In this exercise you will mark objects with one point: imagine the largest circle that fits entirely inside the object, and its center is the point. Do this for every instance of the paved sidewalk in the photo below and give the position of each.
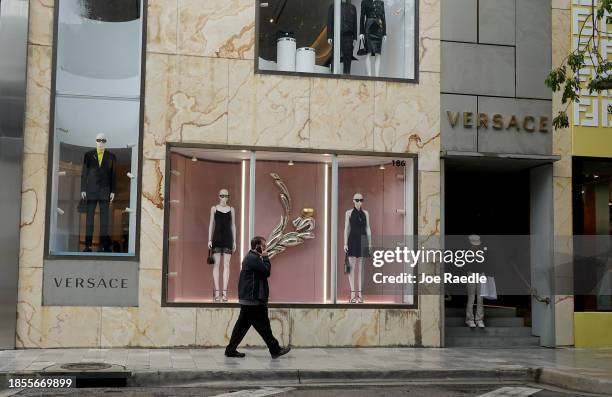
(588, 370)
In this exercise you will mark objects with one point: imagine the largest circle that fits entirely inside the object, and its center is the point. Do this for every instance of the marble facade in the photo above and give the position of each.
(200, 87)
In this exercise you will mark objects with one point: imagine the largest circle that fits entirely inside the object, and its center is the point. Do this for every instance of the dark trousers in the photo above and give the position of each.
(257, 316)
(89, 228)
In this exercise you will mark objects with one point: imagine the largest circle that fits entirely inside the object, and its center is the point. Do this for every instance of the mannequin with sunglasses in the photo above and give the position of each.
(98, 183)
(222, 241)
(357, 243)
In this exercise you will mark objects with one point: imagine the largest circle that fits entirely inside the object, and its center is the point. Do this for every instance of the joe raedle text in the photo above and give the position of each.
(423, 278)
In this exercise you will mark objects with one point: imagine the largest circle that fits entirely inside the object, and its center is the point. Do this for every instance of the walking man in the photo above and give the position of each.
(253, 294)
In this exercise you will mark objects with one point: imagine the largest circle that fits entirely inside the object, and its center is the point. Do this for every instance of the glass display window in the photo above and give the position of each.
(375, 212)
(208, 218)
(374, 38)
(95, 134)
(292, 208)
(218, 198)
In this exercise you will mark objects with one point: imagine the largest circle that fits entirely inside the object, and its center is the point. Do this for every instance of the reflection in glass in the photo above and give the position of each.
(96, 128)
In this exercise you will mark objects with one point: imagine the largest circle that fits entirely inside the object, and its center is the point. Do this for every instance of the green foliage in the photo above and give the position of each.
(568, 82)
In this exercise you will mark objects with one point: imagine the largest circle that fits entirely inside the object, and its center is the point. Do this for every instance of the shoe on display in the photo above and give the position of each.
(480, 324)
(235, 354)
(282, 352)
(470, 323)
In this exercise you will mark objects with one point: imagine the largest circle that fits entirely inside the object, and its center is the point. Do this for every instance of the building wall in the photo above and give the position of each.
(201, 87)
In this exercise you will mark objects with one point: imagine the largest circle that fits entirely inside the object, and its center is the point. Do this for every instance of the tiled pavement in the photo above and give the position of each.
(592, 362)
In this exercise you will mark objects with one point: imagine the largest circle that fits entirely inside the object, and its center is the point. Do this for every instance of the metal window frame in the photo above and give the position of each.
(50, 151)
(333, 224)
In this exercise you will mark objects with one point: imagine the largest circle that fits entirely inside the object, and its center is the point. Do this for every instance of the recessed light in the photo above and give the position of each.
(595, 176)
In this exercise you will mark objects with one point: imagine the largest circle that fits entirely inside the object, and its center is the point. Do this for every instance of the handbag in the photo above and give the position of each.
(82, 206)
(210, 259)
(488, 290)
(362, 51)
(347, 265)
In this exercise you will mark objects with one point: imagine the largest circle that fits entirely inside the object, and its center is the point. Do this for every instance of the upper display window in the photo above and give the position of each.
(95, 136)
(372, 38)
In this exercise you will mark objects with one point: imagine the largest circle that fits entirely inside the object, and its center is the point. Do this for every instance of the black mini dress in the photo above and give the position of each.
(223, 241)
(358, 237)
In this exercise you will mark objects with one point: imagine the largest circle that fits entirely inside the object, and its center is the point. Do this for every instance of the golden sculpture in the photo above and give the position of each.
(303, 225)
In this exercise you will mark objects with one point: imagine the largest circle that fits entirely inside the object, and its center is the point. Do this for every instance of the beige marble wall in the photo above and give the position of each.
(562, 175)
(201, 87)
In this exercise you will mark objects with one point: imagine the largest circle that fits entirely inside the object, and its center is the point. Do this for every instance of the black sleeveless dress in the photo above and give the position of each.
(222, 240)
(358, 237)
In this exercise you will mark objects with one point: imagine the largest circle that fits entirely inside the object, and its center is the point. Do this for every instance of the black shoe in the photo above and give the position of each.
(282, 352)
(87, 249)
(235, 353)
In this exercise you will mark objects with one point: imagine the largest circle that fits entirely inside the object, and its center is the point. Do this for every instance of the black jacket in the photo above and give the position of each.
(348, 18)
(253, 283)
(373, 9)
(99, 181)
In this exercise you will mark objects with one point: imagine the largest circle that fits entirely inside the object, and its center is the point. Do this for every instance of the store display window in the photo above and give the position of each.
(208, 222)
(95, 136)
(219, 198)
(375, 212)
(373, 38)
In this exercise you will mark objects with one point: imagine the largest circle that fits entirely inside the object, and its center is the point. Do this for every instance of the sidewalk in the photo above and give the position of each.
(586, 370)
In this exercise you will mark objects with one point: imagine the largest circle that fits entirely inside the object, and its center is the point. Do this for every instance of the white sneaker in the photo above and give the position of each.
(470, 323)
(480, 324)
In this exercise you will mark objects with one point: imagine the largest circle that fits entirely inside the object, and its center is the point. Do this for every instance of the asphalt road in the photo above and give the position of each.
(453, 390)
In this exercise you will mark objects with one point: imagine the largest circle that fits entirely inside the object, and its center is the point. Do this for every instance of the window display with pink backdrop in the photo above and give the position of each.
(317, 211)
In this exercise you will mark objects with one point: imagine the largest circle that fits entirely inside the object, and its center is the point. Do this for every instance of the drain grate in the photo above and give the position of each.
(85, 366)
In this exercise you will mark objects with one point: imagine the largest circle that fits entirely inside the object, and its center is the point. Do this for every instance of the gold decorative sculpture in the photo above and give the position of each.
(303, 225)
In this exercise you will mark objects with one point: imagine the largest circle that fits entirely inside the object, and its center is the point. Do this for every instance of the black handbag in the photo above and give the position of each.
(82, 207)
(347, 265)
(210, 259)
(362, 51)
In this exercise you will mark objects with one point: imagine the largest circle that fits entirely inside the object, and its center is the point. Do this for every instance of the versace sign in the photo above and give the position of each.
(90, 283)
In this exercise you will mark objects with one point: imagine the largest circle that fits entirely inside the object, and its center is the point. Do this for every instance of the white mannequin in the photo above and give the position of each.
(356, 262)
(100, 144)
(377, 59)
(224, 208)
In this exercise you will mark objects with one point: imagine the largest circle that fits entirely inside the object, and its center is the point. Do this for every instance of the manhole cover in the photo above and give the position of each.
(86, 366)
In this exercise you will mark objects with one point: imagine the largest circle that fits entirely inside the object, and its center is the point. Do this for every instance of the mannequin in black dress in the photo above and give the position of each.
(357, 243)
(222, 241)
(348, 32)
(373, 30)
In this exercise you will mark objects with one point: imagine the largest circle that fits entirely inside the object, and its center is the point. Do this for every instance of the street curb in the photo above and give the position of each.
(572, 381)
(299, 376)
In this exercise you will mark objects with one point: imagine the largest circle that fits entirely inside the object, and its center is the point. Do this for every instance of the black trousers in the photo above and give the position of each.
(89, 225)
(257, 316)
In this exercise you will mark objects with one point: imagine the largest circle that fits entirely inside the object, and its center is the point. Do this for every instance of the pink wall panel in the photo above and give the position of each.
(297, 274)
(202, 182)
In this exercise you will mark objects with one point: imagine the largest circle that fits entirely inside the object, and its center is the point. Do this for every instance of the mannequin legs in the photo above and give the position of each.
(356, 266)
(377, 59)
(226, 274)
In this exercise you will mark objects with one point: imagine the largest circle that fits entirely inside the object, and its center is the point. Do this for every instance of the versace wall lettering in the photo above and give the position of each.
(499, 122)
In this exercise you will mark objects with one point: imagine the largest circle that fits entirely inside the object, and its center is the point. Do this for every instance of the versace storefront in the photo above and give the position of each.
(160, 137)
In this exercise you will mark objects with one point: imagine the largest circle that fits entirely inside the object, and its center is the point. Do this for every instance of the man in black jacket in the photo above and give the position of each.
(253, 294)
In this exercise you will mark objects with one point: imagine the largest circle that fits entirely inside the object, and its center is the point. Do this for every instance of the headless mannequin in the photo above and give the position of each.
(346, 50)
(356, 259)
(377, 58)
(227, 256)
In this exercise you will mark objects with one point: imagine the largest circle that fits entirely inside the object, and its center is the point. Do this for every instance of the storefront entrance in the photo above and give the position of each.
(497, 200)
